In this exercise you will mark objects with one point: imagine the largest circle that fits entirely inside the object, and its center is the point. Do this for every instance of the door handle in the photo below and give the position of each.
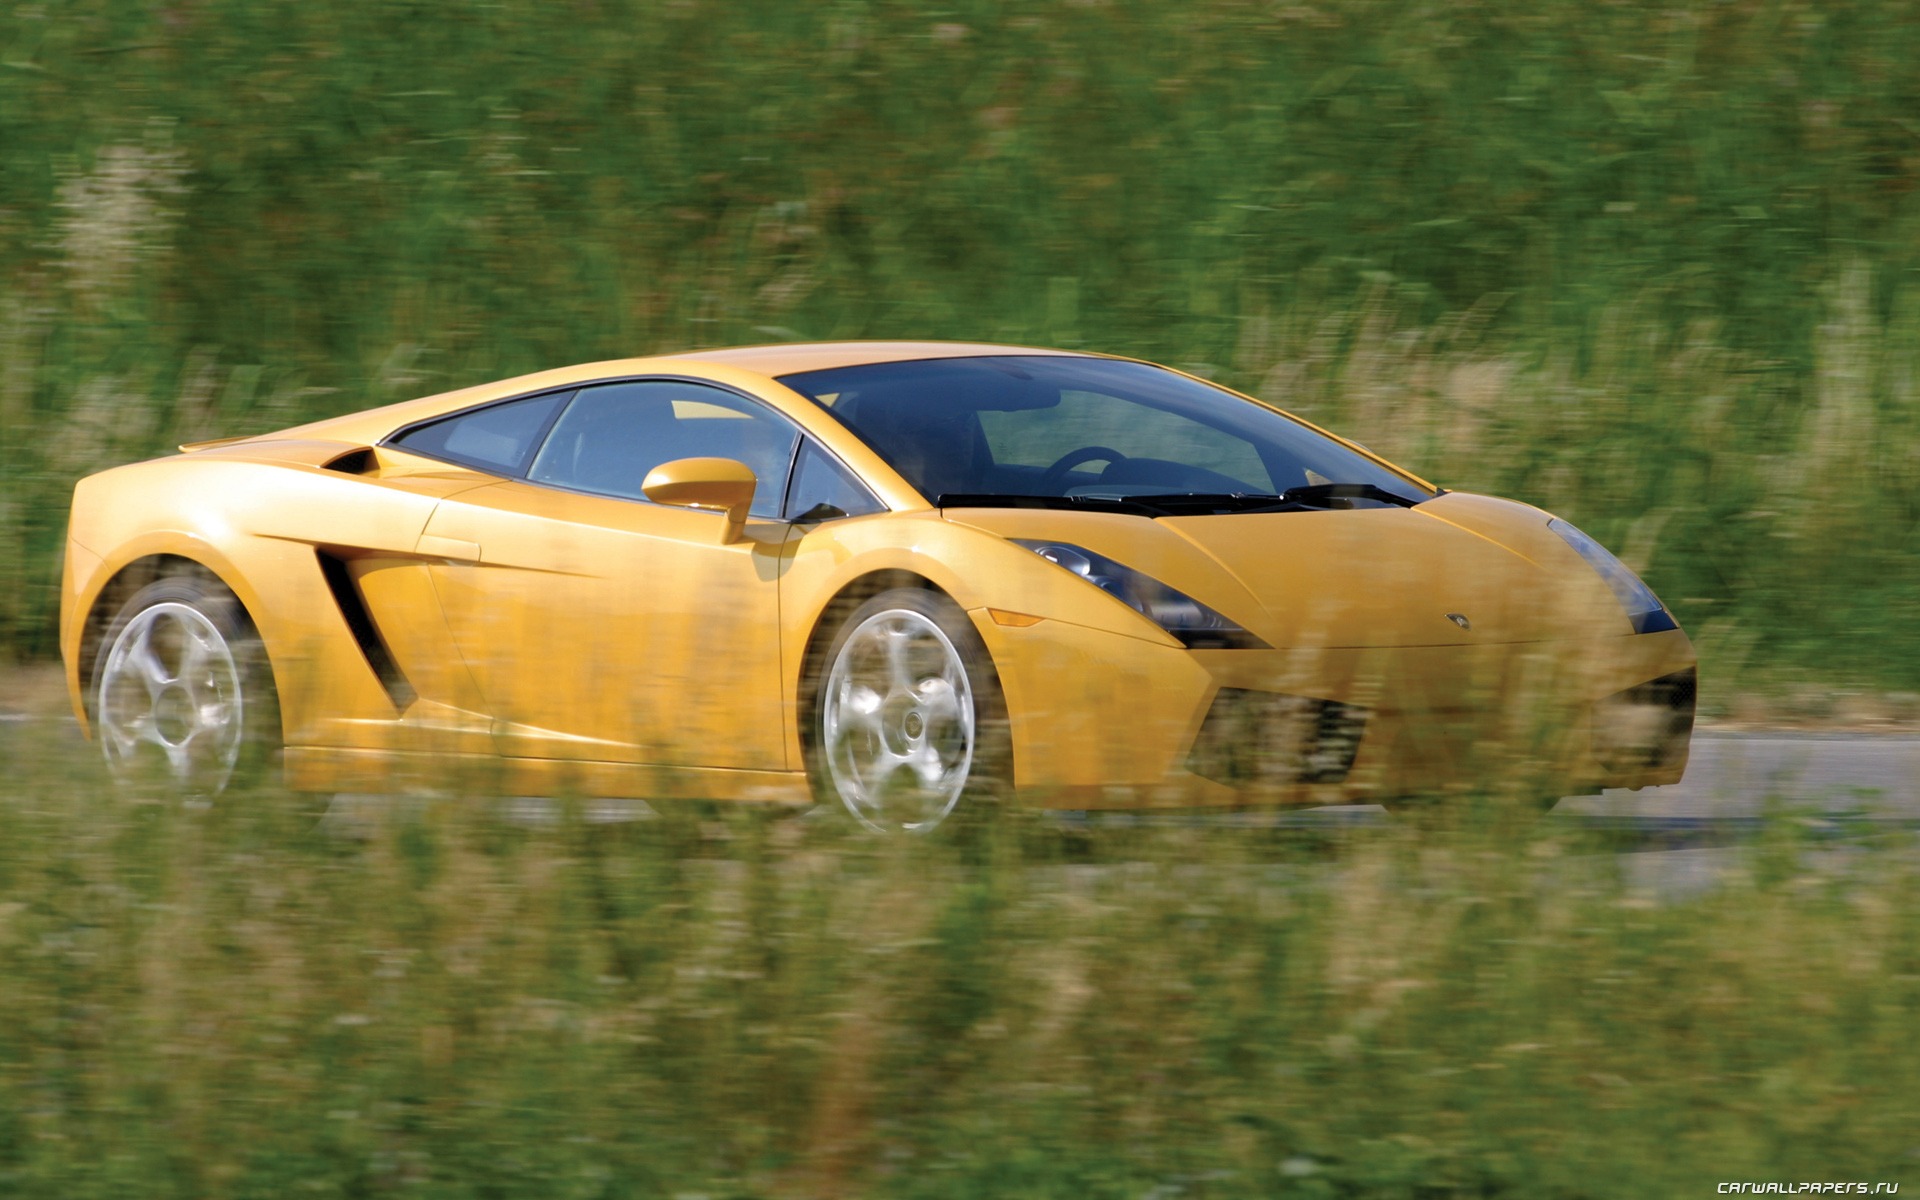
(432, 545)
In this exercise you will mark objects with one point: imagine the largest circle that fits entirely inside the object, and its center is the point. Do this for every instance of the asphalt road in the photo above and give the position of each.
(1682, 839)
(1841, 788)
(1734, 775)
(1735, 780)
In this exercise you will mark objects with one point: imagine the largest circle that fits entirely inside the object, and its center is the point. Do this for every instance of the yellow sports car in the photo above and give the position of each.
(890, 576)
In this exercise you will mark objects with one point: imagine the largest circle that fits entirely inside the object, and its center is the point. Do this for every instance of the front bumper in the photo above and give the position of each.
(1106, 721)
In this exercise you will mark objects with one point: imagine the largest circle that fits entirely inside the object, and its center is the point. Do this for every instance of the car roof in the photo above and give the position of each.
(769, 361)
(793, 357)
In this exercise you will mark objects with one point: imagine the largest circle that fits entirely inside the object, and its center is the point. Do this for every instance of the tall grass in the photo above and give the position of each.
(1650, 267)
(434, 1002)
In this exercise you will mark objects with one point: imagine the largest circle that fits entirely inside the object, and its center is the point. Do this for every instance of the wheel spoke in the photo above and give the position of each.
(180, 759)
(211, 741)
(195, 655)
(213, 714)
(146, 660)
(860, 707)
(927, 765)
(126, 740)
(898, 669)
(939, 701)
(885, 766)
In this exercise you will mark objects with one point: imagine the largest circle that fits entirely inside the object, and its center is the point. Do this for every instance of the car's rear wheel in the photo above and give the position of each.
(909, 726)
(182, 696)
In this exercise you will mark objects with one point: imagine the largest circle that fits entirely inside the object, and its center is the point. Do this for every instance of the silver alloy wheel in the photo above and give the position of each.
(897, 722)
(170, 695)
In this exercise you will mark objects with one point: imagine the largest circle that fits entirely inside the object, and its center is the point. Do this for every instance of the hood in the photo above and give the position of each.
(1374, 577)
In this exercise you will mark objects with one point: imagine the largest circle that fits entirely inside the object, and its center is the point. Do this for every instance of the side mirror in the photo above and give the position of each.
(718, 484)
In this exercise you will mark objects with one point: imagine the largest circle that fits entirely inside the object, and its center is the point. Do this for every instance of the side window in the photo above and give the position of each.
(496, 438)
(611, 436)
(823, 489)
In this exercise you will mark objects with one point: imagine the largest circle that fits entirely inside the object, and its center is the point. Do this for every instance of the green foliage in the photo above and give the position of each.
(1649, 267)
(423, 999)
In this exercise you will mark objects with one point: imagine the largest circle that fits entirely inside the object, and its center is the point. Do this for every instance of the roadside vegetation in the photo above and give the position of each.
(428, 999)
(1653, 269)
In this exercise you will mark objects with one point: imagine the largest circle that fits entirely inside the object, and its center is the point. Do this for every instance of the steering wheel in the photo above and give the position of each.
(1056, 475)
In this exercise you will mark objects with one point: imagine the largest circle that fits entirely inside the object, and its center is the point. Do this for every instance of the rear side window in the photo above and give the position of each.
(498, 438)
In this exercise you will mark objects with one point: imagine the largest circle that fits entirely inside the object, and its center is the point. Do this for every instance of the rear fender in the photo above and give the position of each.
(258, 527)
(87, 576)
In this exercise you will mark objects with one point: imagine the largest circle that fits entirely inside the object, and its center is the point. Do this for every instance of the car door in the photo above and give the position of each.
(602, 626)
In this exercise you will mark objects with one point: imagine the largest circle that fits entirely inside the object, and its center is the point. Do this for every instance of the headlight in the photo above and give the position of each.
(1196, 625)
(1643, 607)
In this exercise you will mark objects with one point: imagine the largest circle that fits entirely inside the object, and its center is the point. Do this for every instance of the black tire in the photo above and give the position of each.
(190, 679)
(989, 768)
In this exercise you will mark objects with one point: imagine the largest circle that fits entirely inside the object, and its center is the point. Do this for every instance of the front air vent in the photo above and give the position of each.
(1649, 725)
(1253, 738)
(366, 635)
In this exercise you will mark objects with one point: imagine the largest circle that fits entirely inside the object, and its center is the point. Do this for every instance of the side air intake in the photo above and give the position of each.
(366, 635)
(353, 462)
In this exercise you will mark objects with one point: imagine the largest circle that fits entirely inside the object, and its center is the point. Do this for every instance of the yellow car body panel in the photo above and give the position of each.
(629, 603)
(619, 647)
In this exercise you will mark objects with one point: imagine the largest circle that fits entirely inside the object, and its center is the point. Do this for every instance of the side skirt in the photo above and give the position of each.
(334, 769)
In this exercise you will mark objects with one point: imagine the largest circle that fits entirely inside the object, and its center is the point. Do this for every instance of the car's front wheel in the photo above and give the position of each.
(908, 720)
(181, 692)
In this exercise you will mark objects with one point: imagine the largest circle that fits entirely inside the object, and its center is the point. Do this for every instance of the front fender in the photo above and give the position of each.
(978, 570)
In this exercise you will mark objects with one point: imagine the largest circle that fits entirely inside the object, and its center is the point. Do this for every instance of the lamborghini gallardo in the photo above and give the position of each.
(895, 578)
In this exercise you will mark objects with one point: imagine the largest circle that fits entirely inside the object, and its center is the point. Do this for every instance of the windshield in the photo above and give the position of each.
(1083, 429)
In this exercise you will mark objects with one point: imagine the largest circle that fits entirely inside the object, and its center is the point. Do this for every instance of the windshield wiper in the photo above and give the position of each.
(1314, 496)
(1205, 504)
(1160, 504)
(1310, 497)
(1129, 506)
(1320, 495)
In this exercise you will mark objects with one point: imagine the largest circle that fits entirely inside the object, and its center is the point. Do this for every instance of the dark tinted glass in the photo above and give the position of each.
(820, 481)
(496, 438)
(1069, 426)
(611, 436)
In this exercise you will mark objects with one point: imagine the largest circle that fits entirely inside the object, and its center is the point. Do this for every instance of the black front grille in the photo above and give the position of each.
(1251, 738)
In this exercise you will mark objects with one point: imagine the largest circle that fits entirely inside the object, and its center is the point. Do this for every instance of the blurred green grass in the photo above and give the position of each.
(427, 999)
(1651, 268)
